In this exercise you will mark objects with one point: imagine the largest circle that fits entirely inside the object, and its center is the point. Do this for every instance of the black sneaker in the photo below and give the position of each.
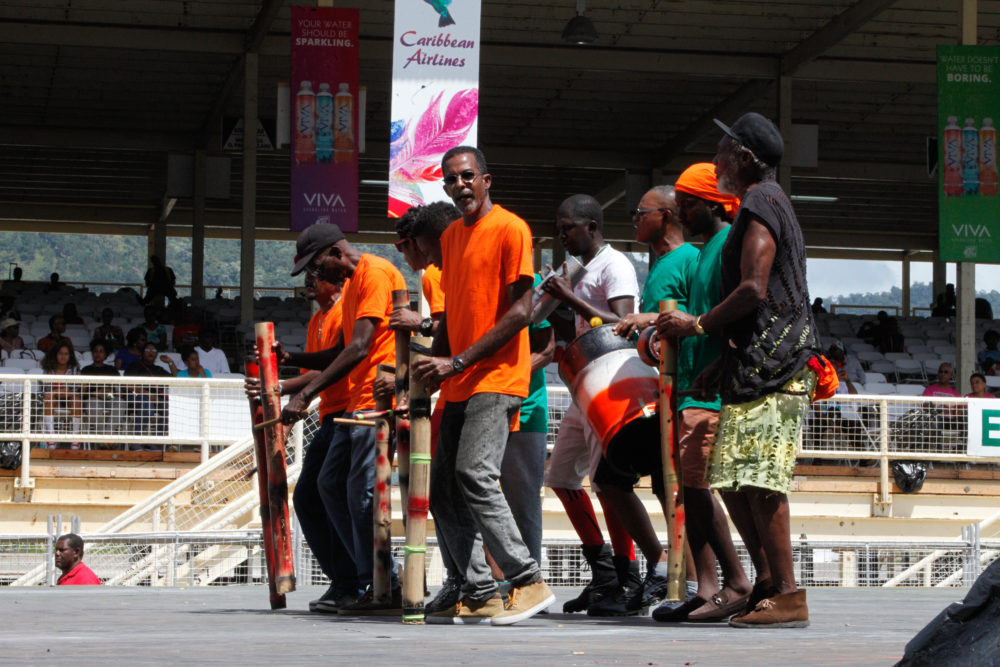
(653, 591)
(447, 597)
(330, 594)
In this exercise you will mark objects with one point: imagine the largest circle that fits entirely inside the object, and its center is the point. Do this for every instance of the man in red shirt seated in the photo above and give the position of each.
(69, 559)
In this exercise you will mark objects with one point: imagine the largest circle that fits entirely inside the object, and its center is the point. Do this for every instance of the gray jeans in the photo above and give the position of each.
(466, 499)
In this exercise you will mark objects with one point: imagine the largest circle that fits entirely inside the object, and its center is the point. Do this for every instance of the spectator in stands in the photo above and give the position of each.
(69, 559)
(60, 360)
(156, 333)
(7, 308)
(99, 353)
(978, 384)
(817, 306)
(848, 367)
(945, 304)
(135, 340)
(160, 282)
(186, 329)
(148, 405)
(99, 399)
(990, 356)
(57, 327)
(54, 285)
(70, 316)
(110, 333)
(941, 387)
(888, 337)
(10, 338)
(211, 357)
(984, 310)
(869, 330)
(192, 361)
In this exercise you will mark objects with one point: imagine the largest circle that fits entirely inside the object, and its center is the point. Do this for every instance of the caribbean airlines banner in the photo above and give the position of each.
(968, 110)
(324, 90)
(435, 95)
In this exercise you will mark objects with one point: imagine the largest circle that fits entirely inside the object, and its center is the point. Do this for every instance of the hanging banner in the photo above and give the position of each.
(435, 95)
(324, 122)
(968, 104)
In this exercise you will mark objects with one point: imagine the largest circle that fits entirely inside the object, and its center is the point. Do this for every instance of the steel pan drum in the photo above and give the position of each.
(619, 396)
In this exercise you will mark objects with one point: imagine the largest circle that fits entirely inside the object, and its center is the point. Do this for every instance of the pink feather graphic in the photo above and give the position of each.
(415, 156)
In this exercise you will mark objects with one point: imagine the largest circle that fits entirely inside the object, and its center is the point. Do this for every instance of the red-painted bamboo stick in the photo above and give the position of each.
(415, 548)
(277, 479)
(260, 452)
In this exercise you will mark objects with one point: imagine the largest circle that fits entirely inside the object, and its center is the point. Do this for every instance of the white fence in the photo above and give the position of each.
(88, 412)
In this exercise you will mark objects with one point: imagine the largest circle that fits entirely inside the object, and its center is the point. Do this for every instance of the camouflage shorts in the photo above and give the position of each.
(758, 441)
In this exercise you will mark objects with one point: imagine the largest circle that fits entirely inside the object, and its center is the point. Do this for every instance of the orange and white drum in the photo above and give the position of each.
(617, 392)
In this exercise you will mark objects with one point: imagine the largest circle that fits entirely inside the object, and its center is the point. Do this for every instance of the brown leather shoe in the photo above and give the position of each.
(787, 610)
(720, 607)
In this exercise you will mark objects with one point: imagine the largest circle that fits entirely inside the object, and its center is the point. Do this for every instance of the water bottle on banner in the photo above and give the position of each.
(988, 159)
(305, 124)
(952, 158)
(343, 127)
(970, 158)
(324, 124)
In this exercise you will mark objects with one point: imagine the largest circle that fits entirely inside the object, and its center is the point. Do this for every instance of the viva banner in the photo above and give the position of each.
(435, 95)
(324, 155)
(968, 106)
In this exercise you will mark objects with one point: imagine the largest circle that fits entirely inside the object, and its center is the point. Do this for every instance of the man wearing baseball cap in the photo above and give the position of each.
(766, 323)
(348, 472)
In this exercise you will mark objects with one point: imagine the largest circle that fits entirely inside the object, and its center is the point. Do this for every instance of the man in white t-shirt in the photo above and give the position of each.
(212, 358)
(609, 290)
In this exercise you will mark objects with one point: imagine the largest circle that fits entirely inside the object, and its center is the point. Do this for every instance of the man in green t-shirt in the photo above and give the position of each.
(522, 471)
(706, 213)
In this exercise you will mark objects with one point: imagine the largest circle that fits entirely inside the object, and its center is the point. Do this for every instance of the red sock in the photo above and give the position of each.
(581, 514)
(621, 541)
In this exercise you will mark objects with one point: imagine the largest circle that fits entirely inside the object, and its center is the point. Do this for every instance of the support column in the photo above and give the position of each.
(198, 227)
(938, 280)
(785, 126)
(906, 284)
(965, 283)
(249, 187)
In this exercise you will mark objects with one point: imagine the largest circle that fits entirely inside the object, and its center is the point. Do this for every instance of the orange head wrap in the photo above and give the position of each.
(698, 180)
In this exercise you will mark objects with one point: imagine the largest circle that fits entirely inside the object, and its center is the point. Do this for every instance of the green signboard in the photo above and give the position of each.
(968, 114)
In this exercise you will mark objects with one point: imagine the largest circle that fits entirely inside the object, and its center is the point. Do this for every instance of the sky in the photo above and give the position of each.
(834, 277)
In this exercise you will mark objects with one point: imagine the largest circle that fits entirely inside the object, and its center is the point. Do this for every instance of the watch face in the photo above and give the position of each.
(457, 364)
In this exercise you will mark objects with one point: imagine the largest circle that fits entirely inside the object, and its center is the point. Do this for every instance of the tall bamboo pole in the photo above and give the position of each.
(260, 451)
(401, 299)
(418, 501)
(382, 503)
(670, 453)
(274, 441)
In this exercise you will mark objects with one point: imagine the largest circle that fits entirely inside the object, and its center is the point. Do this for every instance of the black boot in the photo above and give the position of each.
(629, 584)
(603, 578)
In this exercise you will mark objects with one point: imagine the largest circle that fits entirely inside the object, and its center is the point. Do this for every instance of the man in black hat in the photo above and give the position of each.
(348, 472)
(766, 383)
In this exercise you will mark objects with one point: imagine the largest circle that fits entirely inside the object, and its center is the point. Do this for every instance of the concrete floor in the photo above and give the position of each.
(234, 625)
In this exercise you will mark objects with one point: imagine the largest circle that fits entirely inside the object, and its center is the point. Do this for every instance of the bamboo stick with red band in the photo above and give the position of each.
(277, 477)
(401, 299)
(260, 452)
(417, 505)
(670, 453)
(382, 504)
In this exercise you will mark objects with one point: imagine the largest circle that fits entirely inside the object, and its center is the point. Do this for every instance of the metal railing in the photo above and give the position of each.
(119, 412)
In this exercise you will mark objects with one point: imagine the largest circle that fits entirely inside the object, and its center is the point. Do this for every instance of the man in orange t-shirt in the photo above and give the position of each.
(320, 532)
(348, 471)
(481, 355)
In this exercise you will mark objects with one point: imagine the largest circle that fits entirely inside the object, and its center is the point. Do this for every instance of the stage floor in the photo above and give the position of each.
(234, 625)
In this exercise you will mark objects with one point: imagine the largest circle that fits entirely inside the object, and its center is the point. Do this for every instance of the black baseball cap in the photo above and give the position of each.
(759, 134)
(312, 240)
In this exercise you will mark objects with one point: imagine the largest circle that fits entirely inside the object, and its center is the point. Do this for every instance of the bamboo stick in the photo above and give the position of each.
(277, 479)
(670, 453)
(415, 545)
